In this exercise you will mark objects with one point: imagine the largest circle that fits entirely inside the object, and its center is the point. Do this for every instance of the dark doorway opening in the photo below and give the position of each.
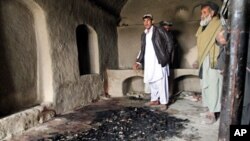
(82, 37)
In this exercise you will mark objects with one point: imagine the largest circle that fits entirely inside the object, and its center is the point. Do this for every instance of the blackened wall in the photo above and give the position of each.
(63, 17)
(18, 58)
(25, 60)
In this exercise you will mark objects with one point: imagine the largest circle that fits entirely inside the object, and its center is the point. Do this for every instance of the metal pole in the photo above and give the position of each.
(234, 77)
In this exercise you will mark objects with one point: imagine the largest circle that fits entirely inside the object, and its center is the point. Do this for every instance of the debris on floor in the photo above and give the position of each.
(126, 118)
(130, 123)
(192, 96)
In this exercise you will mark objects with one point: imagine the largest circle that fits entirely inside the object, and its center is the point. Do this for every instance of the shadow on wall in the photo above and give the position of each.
(177, 52)
(6, 81)
(18, 61)
(187, 83)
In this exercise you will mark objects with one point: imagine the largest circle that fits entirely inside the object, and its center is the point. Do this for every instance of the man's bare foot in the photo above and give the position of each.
(209, 118)
(151, 103)
(163, 107)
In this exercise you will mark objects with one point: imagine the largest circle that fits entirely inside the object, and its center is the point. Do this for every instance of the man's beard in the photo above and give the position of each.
(205, 21)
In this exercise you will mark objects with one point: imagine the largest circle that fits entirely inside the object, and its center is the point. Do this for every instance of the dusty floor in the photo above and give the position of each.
(80, 119)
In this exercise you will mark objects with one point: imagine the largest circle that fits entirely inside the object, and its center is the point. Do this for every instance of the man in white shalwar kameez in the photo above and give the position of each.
(154, 55)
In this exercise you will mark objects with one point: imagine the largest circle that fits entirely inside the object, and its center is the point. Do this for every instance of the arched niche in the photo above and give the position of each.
(44, 62)
(187, 83)
(133, 84)
(88, 51)
(25, 53)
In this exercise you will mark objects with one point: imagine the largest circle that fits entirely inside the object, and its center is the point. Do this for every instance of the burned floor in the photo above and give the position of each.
(129, 123)
(126, 119)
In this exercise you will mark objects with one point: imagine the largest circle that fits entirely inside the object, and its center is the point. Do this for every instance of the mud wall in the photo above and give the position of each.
(18, 58)
(34, 72)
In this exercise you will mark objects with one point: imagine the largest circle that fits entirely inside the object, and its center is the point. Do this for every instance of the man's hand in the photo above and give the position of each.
(136, 66)
(248, 69)
(195, 65)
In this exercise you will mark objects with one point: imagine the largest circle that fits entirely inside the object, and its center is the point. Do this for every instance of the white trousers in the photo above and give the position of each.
(159, 89)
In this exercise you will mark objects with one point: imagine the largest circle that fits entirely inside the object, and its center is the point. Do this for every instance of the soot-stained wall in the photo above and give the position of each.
(18, 58)
(29, 56)
(63, 18)
(71, 89)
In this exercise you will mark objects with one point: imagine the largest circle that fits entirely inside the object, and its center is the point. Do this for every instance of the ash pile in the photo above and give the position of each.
(128, 124)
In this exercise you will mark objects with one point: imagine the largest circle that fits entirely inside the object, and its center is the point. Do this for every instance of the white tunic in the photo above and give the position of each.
(152, 69)
(154, 74)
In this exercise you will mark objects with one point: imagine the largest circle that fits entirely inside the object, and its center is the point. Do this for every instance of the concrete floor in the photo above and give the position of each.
(81, 118)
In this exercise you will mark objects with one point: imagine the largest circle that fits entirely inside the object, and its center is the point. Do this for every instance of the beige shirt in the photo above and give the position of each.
(206, 42)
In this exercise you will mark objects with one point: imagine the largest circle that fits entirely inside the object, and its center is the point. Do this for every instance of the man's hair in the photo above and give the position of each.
(213, 6)
(165, 23)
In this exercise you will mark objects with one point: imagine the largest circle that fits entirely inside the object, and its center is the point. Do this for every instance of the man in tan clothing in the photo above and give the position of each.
(211, 79)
